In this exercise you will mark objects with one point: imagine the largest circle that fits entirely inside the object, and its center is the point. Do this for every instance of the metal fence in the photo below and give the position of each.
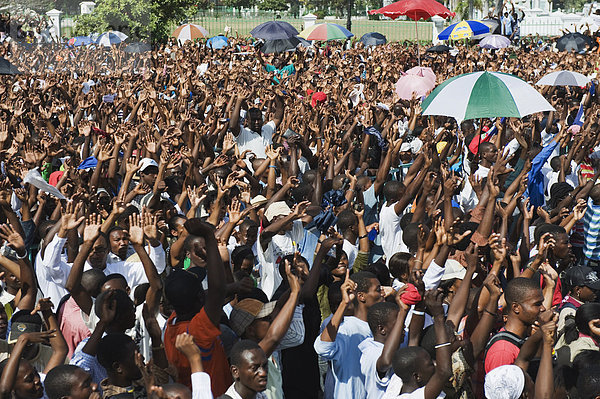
(244, 23)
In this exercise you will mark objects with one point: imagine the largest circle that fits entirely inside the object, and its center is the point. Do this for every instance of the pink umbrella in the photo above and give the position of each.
(424, 72)
(409, 84)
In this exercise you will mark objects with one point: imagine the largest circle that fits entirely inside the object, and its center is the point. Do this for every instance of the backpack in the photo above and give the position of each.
(504, 336)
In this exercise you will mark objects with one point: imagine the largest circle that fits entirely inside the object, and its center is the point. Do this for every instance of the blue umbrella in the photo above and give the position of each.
(373, 39)
(273, 30)
(217, 42)
(80, 41)
(111, 37)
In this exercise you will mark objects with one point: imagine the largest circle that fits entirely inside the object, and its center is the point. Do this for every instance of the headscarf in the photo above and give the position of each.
(504, 382)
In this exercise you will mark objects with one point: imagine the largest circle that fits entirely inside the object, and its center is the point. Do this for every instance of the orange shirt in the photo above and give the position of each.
(206, 335)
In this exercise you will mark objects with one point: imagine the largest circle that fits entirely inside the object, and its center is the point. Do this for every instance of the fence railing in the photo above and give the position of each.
(393, 30)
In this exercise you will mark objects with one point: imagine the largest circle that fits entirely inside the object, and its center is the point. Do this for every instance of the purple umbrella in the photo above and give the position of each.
(494, 42)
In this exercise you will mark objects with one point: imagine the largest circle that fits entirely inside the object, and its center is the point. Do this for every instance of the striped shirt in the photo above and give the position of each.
(591, 231)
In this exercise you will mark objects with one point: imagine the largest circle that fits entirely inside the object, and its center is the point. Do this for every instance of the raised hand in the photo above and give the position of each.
(92, 227)
(348, 289)
(492, 283)
(293, 279)
(12, 238)
(433, 301)
(150, 226)
(69, 220)
(136, 231)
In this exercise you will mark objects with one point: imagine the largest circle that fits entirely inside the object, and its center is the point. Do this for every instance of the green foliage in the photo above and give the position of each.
(462, 8)
(139, 19)
(240, 3)
(273, 5)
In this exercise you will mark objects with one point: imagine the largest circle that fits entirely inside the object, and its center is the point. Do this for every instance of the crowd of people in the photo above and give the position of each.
(190, 222)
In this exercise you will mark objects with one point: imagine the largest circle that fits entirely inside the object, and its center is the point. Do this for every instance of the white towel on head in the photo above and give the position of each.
(504, 382)
(34, 178)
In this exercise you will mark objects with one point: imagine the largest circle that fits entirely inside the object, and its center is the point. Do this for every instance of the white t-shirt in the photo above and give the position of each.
(419, 394)
(257, 143)
(351, 251)
(389, 230)
(280, 246)
(374, 385)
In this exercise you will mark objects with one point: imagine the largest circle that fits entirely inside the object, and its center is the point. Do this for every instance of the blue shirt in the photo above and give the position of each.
(345, 357)
(535, 178)
(591, 231)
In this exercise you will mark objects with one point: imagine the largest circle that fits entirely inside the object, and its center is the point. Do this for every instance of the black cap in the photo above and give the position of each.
(582, 276)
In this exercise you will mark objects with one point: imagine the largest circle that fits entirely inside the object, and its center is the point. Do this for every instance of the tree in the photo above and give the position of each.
(139, 19)
(273, 5)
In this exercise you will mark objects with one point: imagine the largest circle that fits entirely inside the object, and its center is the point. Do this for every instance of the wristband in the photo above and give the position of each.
(361, 237)
(492, 313)
(418, 313)
(272, 166)
(530, 268)
(438, 346)
(22, 257)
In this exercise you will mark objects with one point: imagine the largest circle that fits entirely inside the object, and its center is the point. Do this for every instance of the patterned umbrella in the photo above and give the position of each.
(273, 30)
(79, 41)
(189, 32)
(564, 78)
(111, 37)
(484, 95)
(463, 30)
(326, 31)
(494, 42)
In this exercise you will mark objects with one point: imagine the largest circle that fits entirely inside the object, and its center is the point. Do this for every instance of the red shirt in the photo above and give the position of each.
(206, 335)
(500, 353)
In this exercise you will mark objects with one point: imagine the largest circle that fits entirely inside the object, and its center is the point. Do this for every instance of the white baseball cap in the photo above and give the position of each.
(146, 162)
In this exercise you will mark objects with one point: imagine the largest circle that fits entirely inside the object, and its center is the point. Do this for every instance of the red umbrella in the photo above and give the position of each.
(415, 10)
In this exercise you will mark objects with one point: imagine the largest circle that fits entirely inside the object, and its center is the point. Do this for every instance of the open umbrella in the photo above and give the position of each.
(280, 45)
(484, 95)
(6, 68)
(440, 48)
(463, 30)
(137, 47)
(564, 78)
(415, 10)
(373, 39)
(494, 42)
(217, 42)
(574, 42)
(326, 31)
(408, 85)
(424, 72)
(273, 30)
(492, 24)
(79, 41)
(187, 32)
(111, 37)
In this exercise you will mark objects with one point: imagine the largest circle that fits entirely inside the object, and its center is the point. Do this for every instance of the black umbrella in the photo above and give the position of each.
(574, 41)
(273, 30)
(440, 48)
(280, 45)
(373, 39)
(6, 68)
(137, 47)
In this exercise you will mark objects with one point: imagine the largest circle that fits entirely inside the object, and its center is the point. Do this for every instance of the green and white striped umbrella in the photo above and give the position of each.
(484, 95)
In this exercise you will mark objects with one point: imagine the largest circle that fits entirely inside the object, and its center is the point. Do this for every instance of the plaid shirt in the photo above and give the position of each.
(88, 363)
(591, 231)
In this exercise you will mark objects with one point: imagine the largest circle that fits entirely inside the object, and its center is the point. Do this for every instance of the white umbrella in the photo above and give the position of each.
(189, 32)
(494, 42)
(484, 95)
(564, 78)
(111, 37)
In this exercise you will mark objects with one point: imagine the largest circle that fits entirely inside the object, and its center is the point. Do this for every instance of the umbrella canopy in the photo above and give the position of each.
(111, 37)
(79, 41)
(463, 30)
(492, 24)
(273, 30)
(564, 78)
(6, 68)
(326, 31)
(217, 42)
(494, 42)
(574, 42)
(440, 48)
(137, 47)
(484, 95)
(280, 45)
(373, 39)
(408, 85)
(189, 32)
(414, 9)
(423, 72)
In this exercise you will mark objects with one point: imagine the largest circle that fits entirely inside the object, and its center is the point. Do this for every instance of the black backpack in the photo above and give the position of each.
(504, 336)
